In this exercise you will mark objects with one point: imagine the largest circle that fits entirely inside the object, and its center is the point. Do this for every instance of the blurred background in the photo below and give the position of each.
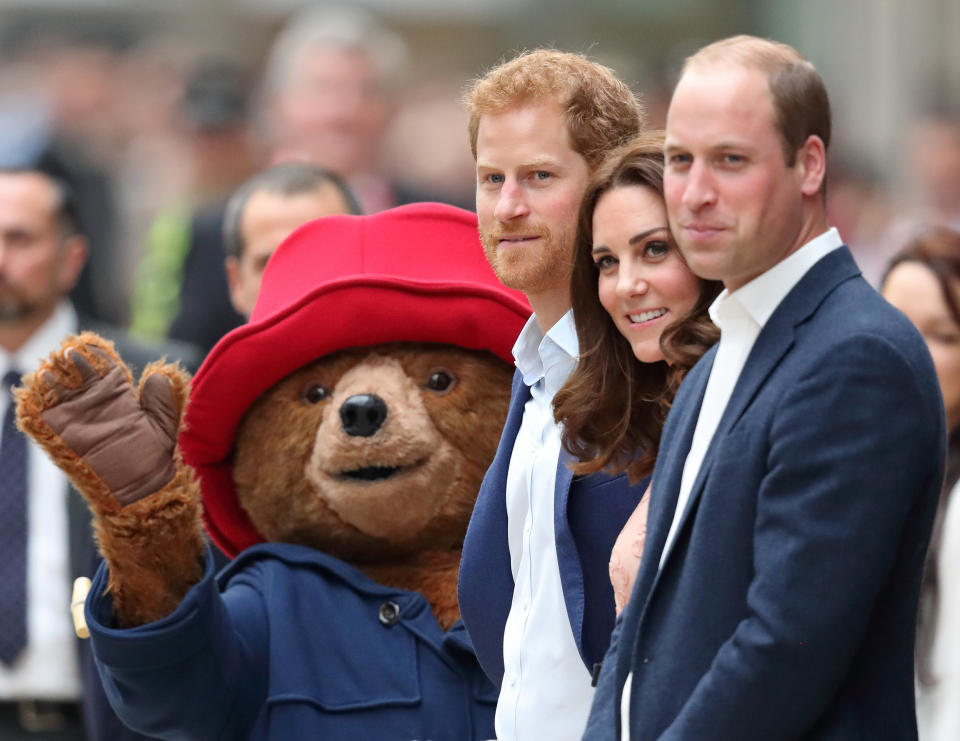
(157, 110)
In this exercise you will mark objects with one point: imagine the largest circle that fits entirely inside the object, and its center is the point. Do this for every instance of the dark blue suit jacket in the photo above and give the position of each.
(786, 608)
(589, 512)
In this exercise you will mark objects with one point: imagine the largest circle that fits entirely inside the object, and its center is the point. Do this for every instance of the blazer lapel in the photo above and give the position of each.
(667, 472)
(568, 559)
(485, 586)
(669, 467)
(772, 344)
(489, 520)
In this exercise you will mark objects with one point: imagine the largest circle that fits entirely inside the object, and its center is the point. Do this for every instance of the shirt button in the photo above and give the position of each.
(389, 613)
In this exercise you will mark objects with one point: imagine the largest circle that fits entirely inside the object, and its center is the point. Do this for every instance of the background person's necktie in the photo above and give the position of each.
(13, 532)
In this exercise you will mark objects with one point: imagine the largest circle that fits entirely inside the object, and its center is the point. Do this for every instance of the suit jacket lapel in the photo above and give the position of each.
(772, 344)
(663, 501)
(774, 341)
(485, 587)
(669, 468)
(519, 396)
(568, 559)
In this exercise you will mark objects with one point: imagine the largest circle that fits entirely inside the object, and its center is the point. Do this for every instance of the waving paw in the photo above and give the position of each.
(116, 442)
(118, 445)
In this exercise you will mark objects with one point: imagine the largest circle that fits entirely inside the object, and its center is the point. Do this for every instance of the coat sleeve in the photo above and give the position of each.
(198, 673)
(843, 511)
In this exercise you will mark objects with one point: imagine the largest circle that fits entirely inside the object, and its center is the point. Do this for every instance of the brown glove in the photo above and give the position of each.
(128, 443)
(117, 444)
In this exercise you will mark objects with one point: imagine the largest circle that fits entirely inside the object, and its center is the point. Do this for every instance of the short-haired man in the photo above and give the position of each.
(265, 210)
(534, 590)
(800, 465)
(44, 530)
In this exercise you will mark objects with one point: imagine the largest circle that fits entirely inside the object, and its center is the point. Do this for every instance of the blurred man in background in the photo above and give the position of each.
(329, 88)
(265, 210)
(45, 536)
(181, 289)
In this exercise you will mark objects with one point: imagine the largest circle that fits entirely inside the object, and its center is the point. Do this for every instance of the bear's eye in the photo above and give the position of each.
(314, 393)
(441, 380)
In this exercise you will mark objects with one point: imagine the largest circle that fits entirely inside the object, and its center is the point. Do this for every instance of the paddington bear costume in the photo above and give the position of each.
(289, 642)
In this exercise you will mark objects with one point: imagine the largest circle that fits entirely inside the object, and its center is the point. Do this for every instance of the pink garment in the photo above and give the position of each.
(627, 552)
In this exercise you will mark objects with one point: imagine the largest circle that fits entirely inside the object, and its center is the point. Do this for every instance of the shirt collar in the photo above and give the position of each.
(761, 296)
(62, 322)
(535, 353)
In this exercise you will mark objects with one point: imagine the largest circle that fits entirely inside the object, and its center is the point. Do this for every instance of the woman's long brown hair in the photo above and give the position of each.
(939, 250)
(612, 406)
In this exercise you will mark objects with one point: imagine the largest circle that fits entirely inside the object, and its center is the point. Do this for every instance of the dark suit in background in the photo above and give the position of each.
(205, 314)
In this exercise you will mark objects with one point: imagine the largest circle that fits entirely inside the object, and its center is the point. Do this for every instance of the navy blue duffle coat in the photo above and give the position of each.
(289, 643)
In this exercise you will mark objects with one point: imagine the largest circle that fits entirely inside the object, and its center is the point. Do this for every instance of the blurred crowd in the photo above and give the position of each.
(188, 169)
(154, 134)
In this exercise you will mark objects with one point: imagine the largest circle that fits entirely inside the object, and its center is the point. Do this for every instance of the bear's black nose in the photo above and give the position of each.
(362, 415)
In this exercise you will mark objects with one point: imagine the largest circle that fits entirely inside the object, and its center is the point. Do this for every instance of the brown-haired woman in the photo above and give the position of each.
(642, 323)
(923, 281)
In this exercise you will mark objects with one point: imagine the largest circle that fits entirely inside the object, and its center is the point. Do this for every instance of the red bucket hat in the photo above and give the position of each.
(415, 273)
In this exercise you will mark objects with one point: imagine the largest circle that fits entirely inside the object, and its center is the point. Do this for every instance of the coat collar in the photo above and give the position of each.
(774, 342)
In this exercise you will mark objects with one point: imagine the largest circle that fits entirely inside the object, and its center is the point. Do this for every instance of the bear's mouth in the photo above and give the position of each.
(376, 473)
(370, 473)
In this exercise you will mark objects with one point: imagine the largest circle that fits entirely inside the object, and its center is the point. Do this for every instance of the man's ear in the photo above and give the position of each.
(73, 256)
(812, 164)
(232, 266)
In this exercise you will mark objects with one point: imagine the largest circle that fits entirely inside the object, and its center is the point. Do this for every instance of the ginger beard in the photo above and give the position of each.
(533, 265)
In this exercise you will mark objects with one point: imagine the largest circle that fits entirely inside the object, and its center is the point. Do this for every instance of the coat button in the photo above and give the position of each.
(389, 613)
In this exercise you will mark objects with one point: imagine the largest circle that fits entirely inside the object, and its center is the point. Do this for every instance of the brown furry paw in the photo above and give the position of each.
(116, 443)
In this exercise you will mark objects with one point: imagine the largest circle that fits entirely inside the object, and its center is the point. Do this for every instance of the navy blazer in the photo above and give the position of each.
(589, 512)
(786, 607)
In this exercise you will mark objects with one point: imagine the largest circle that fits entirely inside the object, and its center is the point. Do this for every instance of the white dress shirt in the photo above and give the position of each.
(48, 667)
(546, 692)
(741, 316)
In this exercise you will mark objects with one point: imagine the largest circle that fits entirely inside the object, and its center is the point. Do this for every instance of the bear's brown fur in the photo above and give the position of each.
(394, 503)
